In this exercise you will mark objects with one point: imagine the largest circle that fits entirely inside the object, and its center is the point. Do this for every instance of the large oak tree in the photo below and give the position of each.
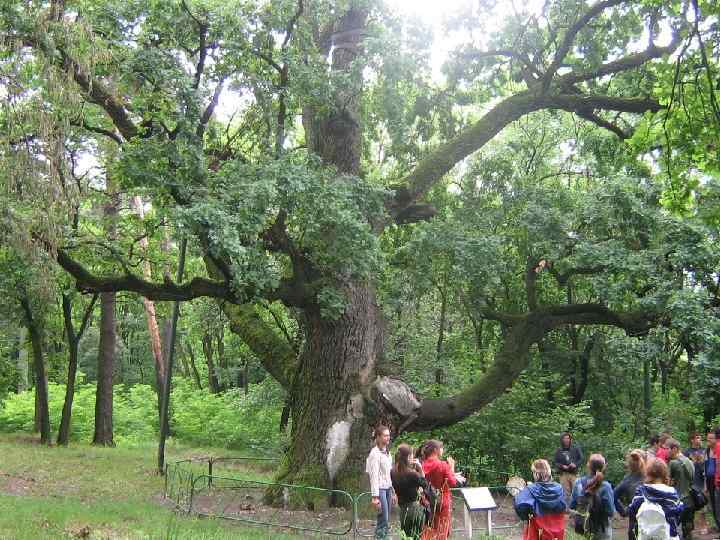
(281, 198)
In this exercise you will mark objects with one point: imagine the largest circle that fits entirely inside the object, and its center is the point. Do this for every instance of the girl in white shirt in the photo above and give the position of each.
(378, 466)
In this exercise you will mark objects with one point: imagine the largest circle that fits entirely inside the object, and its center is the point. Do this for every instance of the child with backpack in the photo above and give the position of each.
(592, 501)
(656, 506)
(542, 505)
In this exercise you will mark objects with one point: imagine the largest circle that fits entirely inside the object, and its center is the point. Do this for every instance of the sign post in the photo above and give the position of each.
(478, 499)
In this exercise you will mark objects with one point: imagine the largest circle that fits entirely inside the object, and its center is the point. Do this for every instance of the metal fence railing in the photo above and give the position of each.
(312, 509)
(224, 487)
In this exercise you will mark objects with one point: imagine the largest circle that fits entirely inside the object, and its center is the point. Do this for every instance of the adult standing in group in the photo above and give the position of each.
(568, 459)
(407, 477)
(625, 491)
(652, 447)
(592, 498)
(663, 450)
(378, 466)
(717, 472)
(441, 475)
(696, 453)
(682, 472)
(710, 465)
(542, 505)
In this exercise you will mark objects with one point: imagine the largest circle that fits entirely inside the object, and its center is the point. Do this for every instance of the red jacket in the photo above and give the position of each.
(440, 476)
(663, 453)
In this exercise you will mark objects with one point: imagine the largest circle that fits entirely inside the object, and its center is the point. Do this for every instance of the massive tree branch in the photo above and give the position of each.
(168, 290)
(289, 291)
(513, 358)
(443, 158)
(273, 351)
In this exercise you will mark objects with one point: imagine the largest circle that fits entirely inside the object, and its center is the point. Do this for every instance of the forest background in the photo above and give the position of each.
(532, 233)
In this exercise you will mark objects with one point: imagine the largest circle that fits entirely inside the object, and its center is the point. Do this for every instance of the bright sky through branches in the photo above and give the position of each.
(436, 12)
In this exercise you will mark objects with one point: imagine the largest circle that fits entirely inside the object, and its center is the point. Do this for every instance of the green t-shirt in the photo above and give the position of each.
(681, 474)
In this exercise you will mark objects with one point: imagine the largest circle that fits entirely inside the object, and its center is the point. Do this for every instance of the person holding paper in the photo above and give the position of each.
(441, 475)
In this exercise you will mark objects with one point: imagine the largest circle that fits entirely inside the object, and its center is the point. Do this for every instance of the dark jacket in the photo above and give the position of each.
(568, 456)
(539, 499)
(406, 485)
(625, 491)
(663, 495)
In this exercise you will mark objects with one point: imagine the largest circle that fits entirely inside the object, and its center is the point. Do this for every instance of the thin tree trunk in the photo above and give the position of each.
(193, 366)
(183, 367)
(167, 383)
(36, 333)
(36, 410)
(246, 376)
(21, 362)
(64, 430)
(73, 340)
(222, 361)
(440, 369)
(207, 343)
(153, 328)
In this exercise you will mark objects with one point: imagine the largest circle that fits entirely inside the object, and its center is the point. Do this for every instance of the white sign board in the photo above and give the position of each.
(478, 498)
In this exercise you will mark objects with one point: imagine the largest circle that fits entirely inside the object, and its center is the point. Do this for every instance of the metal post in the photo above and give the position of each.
(489, 522)
(210, 472)
(192, 494)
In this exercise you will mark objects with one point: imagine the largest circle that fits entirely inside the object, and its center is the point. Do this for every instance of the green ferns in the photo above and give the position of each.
(230, 420)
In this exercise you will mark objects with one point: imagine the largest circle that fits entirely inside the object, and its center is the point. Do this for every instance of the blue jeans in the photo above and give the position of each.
(383, 519)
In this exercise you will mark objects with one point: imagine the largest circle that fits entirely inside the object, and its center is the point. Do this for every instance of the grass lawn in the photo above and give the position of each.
(88, 492)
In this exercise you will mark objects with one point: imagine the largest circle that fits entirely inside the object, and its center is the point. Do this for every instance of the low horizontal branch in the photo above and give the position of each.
(165, 291)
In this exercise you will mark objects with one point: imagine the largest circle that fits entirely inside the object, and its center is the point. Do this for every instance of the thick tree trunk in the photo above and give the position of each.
(331, 420)
(106, 365)
(103, 435)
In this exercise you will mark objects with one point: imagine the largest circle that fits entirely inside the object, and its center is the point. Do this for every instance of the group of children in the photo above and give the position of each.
(660, 494)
